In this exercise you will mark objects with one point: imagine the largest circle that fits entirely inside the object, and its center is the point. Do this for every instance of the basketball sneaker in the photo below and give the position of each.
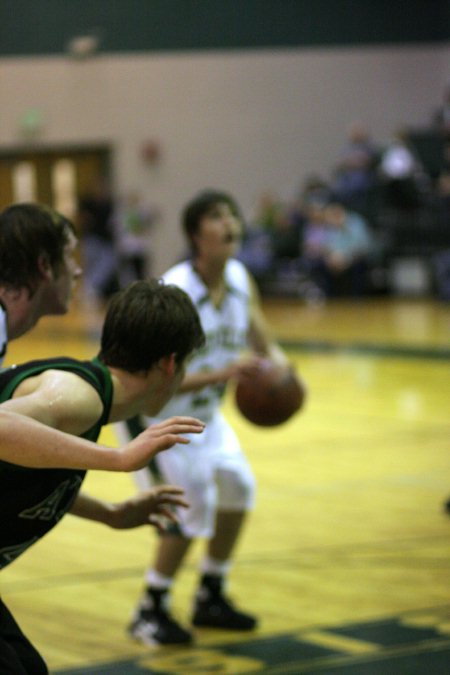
(213, 610)
(153, 624)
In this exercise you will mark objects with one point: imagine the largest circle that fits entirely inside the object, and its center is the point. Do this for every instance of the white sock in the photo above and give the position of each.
(213, 566)
(158, 581)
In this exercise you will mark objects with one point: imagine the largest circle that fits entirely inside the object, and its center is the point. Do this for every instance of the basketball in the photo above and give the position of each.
(271, 396)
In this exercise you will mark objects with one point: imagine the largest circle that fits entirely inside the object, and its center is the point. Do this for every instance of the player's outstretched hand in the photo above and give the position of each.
(247, 365)
(157, 437)
(154, 507)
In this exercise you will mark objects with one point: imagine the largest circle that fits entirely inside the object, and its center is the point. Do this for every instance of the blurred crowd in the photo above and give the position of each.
(336, 237)
(339, 233)
(117, 239)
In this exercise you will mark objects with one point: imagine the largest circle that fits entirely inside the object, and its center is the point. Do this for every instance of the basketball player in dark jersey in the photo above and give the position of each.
(149, 332)
(38, 268)
(38, 273)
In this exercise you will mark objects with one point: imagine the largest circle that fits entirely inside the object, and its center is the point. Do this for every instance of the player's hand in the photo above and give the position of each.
(158, 437)
(251, 368)
(152, 507)
(244, 367)
(248, 367)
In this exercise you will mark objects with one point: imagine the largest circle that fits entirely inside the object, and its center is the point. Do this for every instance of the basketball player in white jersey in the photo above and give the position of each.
(213, 471)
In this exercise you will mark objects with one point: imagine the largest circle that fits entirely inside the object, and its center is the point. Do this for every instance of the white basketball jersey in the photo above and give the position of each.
(226, 330)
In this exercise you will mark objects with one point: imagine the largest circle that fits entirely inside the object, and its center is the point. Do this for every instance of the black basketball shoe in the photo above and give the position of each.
(213, 610)
(153, 624)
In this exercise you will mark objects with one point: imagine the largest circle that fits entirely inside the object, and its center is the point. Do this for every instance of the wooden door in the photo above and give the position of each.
(54, 176)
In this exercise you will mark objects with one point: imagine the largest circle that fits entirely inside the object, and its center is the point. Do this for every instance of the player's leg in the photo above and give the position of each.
(17, 654)
(153, 622)
(229, 525)
(236, 487)
(189, 468)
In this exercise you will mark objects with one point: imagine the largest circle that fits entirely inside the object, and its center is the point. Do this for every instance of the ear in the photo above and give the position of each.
(44, 267)
(168, 364)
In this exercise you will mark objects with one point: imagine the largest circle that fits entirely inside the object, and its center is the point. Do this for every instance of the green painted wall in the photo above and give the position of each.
(30, 27)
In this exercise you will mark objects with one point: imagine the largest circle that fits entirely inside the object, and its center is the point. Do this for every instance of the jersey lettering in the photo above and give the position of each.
(225, 338)
(10, 553)
(49, 508)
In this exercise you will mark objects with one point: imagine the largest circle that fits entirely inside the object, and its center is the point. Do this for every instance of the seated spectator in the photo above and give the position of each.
(286, 235)
(314, 194)
(256, 252)
(442, 116)
(355, 172)
(441, 270)
(269, 210)
(401, 174)
(133, 222)
(315, 188)
(443, 200)
(315, 231)
(100, 260)
(272, 239)
(444, 168)
(338, 246)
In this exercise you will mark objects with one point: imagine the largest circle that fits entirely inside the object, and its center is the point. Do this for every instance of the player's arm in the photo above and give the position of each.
(31, 426)
(144, 508)
(259, 336)
(206, 378)
(26, 442)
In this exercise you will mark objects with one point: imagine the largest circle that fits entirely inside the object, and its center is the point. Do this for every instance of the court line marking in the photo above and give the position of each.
(366, 348)
(342, 643)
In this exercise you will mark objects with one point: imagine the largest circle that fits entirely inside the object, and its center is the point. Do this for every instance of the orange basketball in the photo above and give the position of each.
(271, 396)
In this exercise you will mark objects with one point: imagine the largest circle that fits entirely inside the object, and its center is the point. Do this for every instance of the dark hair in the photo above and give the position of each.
(27, 232)
(201, 205)
(147, 321)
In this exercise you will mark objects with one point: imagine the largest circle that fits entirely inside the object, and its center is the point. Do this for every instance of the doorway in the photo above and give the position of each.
(56, 176)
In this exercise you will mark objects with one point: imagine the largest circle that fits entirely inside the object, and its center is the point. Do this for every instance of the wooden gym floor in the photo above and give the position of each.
(346, 556)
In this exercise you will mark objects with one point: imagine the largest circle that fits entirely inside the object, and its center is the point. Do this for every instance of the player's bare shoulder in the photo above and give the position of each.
(71, 404)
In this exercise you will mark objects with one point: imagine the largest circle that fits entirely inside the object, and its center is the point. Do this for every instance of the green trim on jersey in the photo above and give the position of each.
(104, 389)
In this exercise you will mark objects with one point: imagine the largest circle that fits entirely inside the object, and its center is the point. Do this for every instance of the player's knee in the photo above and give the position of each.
(198, 519)
(236, 490)
(205, 503)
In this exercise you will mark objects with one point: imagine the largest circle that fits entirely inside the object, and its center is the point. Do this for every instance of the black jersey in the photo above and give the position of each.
(32, 501)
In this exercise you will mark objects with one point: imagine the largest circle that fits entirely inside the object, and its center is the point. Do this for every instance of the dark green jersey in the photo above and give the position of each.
(32, 501)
